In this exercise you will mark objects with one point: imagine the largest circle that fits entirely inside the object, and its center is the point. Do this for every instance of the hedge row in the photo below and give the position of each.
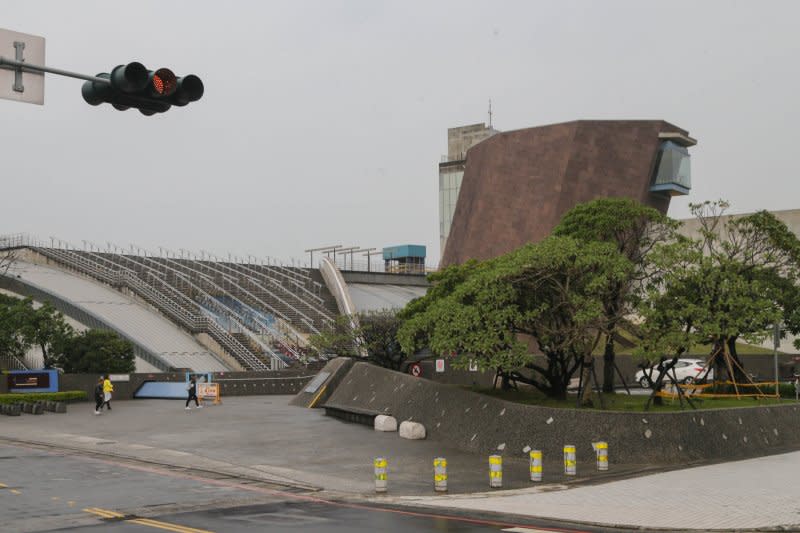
(67, 396)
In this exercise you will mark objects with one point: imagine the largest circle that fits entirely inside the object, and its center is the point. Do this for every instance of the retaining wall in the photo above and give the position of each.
(482, 424)
(231, 383)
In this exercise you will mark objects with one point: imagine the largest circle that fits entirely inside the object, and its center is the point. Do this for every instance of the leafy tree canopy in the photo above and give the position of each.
(96, 351)
(736, 280)
(634, 229)
(372, 335)
(551, 292)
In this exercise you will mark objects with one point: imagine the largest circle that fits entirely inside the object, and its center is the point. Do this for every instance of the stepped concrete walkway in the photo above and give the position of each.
(263, 438)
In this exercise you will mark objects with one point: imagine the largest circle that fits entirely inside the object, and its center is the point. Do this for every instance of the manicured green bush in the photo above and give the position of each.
(66, 396)
(787, 390)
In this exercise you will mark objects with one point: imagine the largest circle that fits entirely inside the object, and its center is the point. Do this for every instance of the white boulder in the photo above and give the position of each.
(385, 423)
(412, 430)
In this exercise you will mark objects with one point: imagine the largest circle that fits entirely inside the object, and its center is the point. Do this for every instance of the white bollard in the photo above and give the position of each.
(601, 448)
(570, 462)
(495, 471)
(536, 465)
(440, 474)
(380, 474)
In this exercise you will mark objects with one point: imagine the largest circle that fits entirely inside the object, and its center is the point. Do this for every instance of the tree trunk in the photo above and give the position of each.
(608, 363)
(45, 358)
(586, 381)
(505, 382)
(737, 370)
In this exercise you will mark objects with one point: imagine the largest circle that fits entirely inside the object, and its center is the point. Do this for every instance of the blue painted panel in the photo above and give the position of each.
(162, 389)
(405, 250)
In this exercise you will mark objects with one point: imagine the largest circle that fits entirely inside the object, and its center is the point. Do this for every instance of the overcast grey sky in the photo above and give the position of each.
(323, 122)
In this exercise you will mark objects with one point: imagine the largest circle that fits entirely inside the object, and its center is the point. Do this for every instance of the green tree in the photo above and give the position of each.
(46, 328)
(13, 342)
(372, 335)
(735, 281)
(548, 295)
(633, 229)
(96, 351)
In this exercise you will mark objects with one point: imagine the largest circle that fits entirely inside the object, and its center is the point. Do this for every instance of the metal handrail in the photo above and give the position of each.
(302, 316)
(125, 277)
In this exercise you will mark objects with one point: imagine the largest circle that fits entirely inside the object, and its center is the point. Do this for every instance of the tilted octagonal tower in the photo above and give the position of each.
(517, 185)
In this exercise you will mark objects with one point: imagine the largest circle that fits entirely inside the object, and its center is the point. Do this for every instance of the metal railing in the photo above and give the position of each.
(11, 362)
(123, 277)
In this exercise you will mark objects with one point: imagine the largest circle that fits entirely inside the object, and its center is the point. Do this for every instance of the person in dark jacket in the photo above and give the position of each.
(99, 397)
(192, 388)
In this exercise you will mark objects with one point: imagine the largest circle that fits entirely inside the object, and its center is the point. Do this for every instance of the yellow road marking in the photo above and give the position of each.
(169, 527)
(71, 503)
(55, 498)
(2, 486)
(15, 491)
(105, 513)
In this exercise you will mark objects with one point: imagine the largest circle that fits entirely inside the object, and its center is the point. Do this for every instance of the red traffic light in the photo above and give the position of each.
(163, 82)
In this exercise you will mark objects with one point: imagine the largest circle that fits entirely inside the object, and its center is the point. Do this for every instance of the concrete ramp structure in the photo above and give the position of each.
(157, 341)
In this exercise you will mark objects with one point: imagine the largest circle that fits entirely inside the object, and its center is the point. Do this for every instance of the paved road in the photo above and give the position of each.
(265, 441)
(264, 436)
(43, 490)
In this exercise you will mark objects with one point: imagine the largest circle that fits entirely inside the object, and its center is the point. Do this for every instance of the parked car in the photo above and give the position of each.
(686, 370)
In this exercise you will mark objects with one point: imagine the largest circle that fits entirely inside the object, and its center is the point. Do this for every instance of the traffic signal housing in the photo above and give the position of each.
(151, 92)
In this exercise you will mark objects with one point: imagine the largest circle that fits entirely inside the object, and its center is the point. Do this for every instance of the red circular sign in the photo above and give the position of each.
(415, 370)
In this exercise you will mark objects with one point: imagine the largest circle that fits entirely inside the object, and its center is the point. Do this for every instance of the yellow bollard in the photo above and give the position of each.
(440, 474)
(601, 448)
(380, 474)
(536, 465)
(495, 471)
(570, 461)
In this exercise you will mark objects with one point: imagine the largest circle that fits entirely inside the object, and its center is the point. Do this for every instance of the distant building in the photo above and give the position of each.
(451, 171)
(512, 188)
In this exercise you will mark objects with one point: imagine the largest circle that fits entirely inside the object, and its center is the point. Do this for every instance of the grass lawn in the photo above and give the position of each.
(624, 402)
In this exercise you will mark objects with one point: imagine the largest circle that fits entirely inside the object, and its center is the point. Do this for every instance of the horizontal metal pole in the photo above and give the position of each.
(12, 64)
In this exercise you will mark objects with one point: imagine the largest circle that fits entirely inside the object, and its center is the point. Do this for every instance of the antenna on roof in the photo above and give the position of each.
(490, 113)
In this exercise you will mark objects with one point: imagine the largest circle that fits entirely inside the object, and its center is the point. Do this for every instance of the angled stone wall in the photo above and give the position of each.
(481, 424)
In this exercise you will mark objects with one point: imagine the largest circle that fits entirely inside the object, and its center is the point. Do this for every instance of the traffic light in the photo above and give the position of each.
(150, 92)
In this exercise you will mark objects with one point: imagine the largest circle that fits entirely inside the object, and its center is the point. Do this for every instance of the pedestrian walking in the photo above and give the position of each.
(108, 388)
(191, 387)
(99, 397)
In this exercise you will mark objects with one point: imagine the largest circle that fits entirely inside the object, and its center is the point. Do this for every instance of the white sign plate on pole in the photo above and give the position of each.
(33, 52)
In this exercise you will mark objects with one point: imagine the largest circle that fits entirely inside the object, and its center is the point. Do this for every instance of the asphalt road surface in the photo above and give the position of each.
(43, 489)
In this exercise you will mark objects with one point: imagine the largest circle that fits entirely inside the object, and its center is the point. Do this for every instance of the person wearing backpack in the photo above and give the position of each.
(99, 396)
(191, 387)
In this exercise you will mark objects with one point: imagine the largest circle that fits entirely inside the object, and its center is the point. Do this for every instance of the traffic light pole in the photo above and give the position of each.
(21, 66)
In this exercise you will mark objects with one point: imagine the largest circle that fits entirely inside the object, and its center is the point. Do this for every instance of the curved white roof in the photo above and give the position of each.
(372, 297)
(136, 320)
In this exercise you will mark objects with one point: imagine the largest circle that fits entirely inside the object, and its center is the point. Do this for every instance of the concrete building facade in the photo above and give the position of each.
(451, 171)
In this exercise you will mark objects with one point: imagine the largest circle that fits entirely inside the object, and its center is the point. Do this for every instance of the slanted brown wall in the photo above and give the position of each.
(517, 185)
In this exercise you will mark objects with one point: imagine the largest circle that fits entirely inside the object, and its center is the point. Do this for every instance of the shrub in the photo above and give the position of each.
(66, 396)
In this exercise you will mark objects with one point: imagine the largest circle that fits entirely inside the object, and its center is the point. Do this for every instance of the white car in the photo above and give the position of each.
(686, 370)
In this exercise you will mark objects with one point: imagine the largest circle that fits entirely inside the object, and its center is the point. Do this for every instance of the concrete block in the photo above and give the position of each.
(385, 423)
(412, 430)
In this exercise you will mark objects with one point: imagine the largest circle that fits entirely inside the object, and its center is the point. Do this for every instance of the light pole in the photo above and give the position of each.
(776, 342)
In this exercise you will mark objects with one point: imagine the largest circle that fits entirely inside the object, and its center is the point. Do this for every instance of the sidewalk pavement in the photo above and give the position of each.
(262, 437)
(751, 494)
